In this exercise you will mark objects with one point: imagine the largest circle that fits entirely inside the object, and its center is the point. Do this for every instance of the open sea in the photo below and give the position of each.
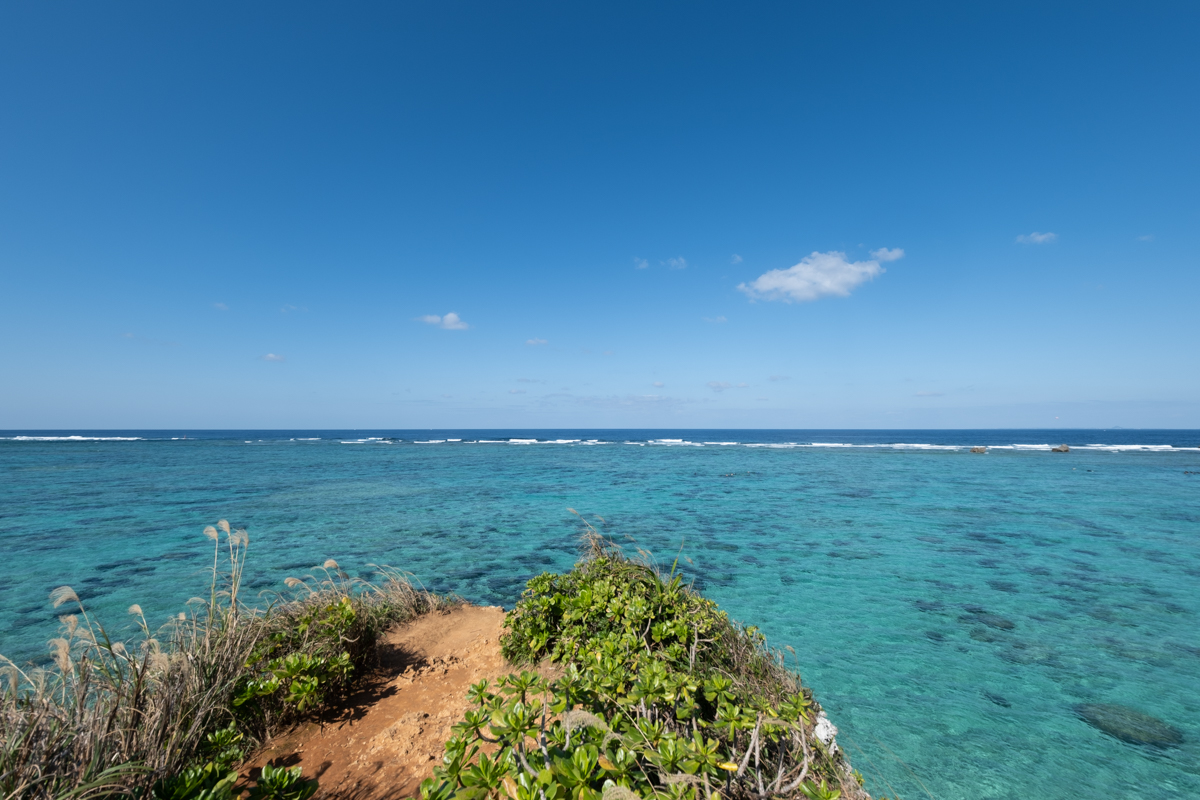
(952, 611)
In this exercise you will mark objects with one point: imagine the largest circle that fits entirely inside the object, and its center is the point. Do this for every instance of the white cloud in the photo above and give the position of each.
(1149, 237)
(884, 254)
(719, 386)
(717, 320)
(658, 384)
(535, 342)
(778, 378)
(735, 259)
(676, 263)
(640, 263)
(220, 307)
(1037, 238)
(743, 385)
(516, 391)
(817, 275)
(450, 322)
(273, 357)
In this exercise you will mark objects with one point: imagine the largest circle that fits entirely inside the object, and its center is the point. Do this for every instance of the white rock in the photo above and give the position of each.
(825, 731)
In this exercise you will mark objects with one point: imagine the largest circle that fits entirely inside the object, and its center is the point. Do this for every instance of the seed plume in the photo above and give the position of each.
(63, 594)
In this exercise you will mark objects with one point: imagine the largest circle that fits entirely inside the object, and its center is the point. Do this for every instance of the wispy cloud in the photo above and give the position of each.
(273, 357)
(817, 275)
(535, 342)
(735, 259)
(640, 263)
(529, 380)
(220, 307)
(930, 394)
(719, 386)
(658, 384)
(676, 263)
(1149, 237)
(743, 385)
(884, 254)
(1037, 238)
(290, 309)
(450, 322)
(716, 320)
(778, 378)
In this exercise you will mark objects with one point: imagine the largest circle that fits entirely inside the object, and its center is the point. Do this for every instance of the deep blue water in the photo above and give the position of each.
(892, 561)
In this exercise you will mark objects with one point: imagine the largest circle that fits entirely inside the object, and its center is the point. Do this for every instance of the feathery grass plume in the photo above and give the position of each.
(223, 525)
(13, 675)
(63, 594)
(112, 716)
(576, 719)
(62, 655)
(614, 792)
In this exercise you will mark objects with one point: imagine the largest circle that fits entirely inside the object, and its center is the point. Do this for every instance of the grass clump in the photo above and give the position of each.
(661, 696)
(169, 713)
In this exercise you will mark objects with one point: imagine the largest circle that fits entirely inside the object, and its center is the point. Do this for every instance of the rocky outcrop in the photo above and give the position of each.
(1062, 448)
(978, 449)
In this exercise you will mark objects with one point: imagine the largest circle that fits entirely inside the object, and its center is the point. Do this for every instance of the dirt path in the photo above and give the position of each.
(388, 736)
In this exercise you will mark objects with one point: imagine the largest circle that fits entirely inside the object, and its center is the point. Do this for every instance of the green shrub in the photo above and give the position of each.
(208, 782)
(278, 783)
(661, 695)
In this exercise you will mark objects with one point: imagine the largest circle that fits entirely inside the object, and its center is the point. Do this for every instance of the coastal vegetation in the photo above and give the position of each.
(658, 695)
(169, 713)
(630, 685)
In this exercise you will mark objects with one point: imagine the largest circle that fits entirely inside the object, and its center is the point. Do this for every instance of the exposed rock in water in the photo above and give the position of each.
(1129, 725)
(997, 699)
(978, 449)
(1062, 448)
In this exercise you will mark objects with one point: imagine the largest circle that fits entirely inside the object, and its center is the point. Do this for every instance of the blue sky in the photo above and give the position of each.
(599, 215)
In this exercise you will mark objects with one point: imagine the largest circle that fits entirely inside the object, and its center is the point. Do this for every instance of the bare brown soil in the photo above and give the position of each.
(383, 740)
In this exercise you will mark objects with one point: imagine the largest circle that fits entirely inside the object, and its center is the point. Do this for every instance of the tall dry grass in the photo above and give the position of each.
(112, 716)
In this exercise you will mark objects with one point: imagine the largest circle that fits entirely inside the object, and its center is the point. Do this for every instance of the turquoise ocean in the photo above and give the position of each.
(951, 610)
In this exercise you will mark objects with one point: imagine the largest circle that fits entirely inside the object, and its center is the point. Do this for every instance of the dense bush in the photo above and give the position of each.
(660, 695)
(168, 714)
